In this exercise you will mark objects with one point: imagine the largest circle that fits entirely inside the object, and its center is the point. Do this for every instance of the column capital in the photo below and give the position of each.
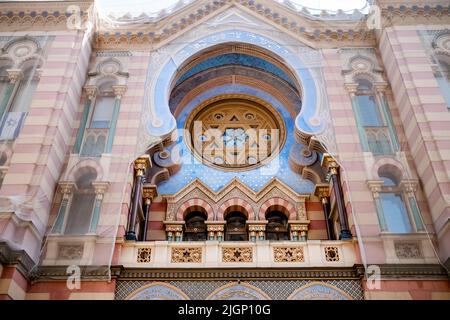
(67, 187)
(14, 75)
(119, 91)
(381, 87)
(329, 164)
(90, 91)
(375, 187)
(322, 191)
(141, 164)
(100, 188)
(259, 225)
(410, 186)
(352, 88)
(149, 192)
(214, 226)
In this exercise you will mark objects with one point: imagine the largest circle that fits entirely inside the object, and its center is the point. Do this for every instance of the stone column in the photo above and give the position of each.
(119, 91)
(298, 230)
(352, 89)
(323, 192)
(384, 107)
(332, 168)
(375, 186)
(140, 166)
(91, 92)
(148, 194)
(100, 188)
(14, 75)
(410, 187)
(66, 188)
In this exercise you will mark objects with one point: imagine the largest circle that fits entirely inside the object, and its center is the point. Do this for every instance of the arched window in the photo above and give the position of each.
(25, 91)
(277, 227)
(82, 205)
(236, 229)
(99, 122)
(443, 78)
(195, 227)
(16, 102)
(393, 205)
(373, 120)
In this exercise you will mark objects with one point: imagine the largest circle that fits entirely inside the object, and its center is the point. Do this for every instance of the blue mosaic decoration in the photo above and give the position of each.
(236, 59)
(216, 179)
(162, 122)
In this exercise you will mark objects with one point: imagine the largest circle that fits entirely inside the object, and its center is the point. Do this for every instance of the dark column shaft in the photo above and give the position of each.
(342, 211)
(131, 232)
(326, 213)
(147, 205)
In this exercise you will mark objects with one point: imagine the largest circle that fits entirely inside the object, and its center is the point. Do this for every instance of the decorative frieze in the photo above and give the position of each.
(408, 250)
(144, 255)
(186, 255)
(237, 254)
(288, 254)
(70, 251)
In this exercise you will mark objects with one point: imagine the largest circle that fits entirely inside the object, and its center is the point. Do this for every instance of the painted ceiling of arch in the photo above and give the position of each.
(215, 178)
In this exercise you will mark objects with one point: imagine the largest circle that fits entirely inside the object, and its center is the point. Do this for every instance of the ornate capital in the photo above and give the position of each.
(100, 188)
(66, 188)
(215, 226)
(351, 88)
(375, 186)
(329, 164)
(14, 75)
(90, 91)
(141, 164)
(149, 192)
(410, 186)
(256, 226)
(119, 91)
(381, 87)
(322, 191)
(174, 226)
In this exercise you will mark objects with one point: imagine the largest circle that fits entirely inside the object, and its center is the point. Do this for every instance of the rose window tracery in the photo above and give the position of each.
(235, 133)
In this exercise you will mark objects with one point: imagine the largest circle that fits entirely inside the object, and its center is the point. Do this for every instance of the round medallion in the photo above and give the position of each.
(22, 51)
(235, 132)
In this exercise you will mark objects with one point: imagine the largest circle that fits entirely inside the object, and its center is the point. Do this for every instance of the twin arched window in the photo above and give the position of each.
(373, 120)
(395, 212)
(81, 206)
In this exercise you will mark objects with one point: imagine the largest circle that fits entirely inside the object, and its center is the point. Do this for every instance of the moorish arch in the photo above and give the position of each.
(319, 291)
(158, 291)
(162, 122)
(238, 291)
(278, 204)
(235, 204)
(195, 205)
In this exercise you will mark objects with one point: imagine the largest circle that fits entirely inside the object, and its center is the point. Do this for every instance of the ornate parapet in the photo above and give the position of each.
(221, 254)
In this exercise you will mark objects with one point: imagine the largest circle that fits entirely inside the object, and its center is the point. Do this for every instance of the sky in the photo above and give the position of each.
(135, 7)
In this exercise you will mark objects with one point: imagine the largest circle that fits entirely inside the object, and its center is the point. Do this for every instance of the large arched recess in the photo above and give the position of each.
(162, 122)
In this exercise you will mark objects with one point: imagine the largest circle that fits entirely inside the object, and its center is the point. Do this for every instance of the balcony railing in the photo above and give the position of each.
(218, 254)
(378, 140)
(94, 142)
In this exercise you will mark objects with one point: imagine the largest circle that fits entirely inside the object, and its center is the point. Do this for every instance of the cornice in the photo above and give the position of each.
(19, 258)
(388, 272)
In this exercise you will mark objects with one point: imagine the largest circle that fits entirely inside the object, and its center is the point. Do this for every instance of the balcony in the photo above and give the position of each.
(218, 254)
